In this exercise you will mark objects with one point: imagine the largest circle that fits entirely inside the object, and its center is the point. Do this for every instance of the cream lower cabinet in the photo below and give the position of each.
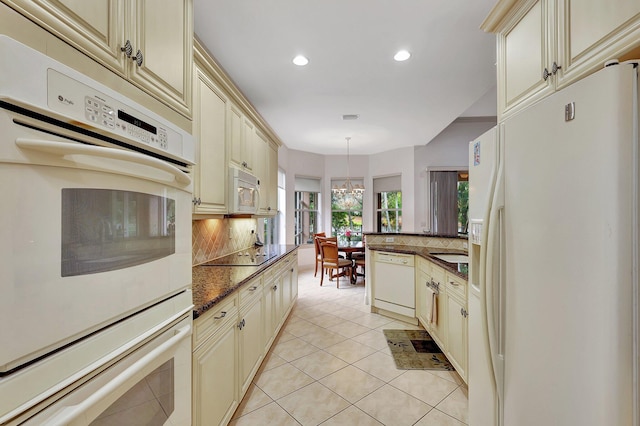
(457, 324)
(215, 365)
(210, 130)
(251, 349)
(271, 292)
(449, 329)
(231, 341)
(130, 37)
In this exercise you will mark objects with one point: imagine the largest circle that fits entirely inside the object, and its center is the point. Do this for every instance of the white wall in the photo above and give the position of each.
(449, 149)
(393, 163)
(302, 164)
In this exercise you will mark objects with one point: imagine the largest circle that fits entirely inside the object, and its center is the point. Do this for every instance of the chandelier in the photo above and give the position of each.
(348, 194)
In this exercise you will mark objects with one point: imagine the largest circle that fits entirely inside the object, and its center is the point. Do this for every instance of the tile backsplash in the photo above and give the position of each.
(213, 238)
(419, 241)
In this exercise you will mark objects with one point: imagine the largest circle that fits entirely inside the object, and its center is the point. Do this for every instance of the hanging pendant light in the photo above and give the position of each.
(348, 194)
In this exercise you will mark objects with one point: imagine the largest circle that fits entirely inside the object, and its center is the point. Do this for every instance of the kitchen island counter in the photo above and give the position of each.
(426, 253)
(212, 283)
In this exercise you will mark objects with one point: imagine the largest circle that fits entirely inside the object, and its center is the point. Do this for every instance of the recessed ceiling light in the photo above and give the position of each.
(402, 55)
(300, 61)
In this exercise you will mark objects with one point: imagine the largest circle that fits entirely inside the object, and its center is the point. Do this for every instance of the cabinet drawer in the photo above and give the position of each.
(457, 285)
(209, 323)
(423, 265)
(250, 291)
(438, 275)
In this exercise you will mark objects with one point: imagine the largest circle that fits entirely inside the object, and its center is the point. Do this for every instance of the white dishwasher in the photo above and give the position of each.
(394, 283)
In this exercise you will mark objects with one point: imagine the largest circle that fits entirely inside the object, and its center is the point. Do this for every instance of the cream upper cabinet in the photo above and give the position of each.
(591, 32)
(247, 145)
(210, 130)
(242, 151)
(236, 141)
(544, 45)
(162, 38)
(266, 169)
(523, 55)
(147, 43)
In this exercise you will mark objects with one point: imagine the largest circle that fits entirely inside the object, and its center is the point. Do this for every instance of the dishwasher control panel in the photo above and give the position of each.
(395, 258)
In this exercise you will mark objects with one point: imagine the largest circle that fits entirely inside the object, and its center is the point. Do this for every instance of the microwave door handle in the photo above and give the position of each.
(71, 415)
(65, 148)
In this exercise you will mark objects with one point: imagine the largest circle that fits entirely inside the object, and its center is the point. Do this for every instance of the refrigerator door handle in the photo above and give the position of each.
(493, 284)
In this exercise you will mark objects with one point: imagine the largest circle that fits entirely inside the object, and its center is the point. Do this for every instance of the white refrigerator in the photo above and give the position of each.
(553, 308)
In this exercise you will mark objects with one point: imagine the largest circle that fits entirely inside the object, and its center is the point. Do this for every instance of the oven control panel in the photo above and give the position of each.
(106, 115)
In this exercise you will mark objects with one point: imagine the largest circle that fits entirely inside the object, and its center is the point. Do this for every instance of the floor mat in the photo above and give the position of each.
(416, 350)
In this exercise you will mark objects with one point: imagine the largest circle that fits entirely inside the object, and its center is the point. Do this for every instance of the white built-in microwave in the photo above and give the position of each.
(244, 193)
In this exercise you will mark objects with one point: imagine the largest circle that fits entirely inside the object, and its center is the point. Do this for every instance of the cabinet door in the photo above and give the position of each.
(456, 349)
(95, 27)
(209, 125)
(167, 50)
(248, 145)
(422, 309)
(269, 295)
(251, 342)
(438, 329)
(260, 160)
(272, 170)
(287, 287)
(215, 378)
(235, 135)
(591, 32)
(523, 54)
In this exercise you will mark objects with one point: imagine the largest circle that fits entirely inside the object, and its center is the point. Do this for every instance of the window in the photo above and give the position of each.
(449, 201)
(389, 211)
(307, 206)
(388, 203)
(346, 215)
(463, 202)
(306, 216)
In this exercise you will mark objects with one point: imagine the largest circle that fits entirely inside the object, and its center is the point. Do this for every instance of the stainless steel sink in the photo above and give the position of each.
(453, 258)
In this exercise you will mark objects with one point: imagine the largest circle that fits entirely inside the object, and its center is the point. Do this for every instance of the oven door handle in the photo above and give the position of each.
(65, 148)
(73, 414)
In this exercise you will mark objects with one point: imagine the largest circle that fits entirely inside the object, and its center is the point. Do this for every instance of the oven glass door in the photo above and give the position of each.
(151, 387)
(94, 235)
(109, 229)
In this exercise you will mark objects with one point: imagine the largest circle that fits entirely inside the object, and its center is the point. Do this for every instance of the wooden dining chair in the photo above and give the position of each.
(316, 243)
(331, 261)
(359, 262)
(324, 239)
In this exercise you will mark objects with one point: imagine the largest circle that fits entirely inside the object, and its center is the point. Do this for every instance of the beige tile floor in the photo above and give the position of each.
(330, 365)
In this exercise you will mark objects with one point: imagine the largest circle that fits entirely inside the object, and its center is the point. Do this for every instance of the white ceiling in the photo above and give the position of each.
(350, 45)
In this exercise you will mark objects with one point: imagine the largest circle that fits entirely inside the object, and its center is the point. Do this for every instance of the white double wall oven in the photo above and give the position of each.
(95, 245)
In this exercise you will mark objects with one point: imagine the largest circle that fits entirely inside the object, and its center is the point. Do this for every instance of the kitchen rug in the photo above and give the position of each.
(416, 350)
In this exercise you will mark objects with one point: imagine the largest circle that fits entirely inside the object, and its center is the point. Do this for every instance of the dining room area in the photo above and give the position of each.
(336, 258)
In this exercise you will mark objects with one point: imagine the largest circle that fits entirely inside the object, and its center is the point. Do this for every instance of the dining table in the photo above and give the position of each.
(348, 249)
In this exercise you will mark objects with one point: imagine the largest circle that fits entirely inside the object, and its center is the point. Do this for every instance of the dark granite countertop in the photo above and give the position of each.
(212, 283)
(426, 253)
(418, 234)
